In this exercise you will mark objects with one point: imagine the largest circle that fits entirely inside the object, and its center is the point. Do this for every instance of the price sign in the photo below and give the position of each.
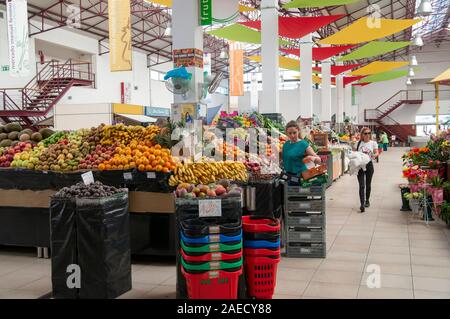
(88, 178)
(210, 208)
(127, 176)
(151, 175)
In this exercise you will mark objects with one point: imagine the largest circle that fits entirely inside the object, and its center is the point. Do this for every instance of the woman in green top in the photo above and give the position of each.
(384, 141)
(297, 152)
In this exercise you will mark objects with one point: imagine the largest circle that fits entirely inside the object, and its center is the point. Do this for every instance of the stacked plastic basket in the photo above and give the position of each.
(211, 257)
(261, 255)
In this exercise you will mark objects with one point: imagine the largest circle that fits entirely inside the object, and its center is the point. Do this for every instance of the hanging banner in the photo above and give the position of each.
(206, 12)
(120, 35)
(236, 69)
(17, 22)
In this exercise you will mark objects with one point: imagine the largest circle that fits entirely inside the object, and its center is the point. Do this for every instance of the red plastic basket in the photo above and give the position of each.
(211, 256)
(260, 252)
(259, 225)
(261, 273)
(212, 284)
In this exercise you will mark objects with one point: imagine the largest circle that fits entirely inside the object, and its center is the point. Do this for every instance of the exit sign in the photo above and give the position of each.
(5, 68)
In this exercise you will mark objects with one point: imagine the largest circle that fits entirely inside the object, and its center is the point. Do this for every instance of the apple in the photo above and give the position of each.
(220, 190)
(196, 191)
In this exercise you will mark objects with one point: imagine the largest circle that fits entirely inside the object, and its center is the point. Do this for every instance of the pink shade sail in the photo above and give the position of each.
(297, 27)
(338, 69)
(320, 54)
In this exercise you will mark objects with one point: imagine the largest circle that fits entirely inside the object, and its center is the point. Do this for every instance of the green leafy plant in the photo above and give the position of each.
(445, 212)
(446, 186)
(436, 181)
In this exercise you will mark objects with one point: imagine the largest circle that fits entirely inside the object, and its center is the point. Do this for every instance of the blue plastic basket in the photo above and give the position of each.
(219, 238)
(261, 244)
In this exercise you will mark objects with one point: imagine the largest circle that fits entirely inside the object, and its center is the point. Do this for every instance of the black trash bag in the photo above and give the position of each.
(63, 243)
(156, 182)
(29, 179)
(103, 241)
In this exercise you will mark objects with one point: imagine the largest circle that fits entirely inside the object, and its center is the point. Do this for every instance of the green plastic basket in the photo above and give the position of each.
(210, 248)
(212, 265)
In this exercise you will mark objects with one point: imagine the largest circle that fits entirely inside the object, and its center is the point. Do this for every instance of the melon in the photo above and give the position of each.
(24, 137)
(46, 132)
(2, 128)
(26, 131)
(14, 143)
(37, 137)
(5, 143)
(13, 136)
(3, 136)
(13, 127)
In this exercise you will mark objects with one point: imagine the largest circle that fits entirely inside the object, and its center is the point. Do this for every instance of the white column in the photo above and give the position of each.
(186, 34)
(270, 102)
(340, 99)
(348, 100)
(254, 92)
(326, 91)
(306, 89)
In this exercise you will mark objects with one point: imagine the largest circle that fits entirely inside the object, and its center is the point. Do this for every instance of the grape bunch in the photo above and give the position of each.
(94, 190)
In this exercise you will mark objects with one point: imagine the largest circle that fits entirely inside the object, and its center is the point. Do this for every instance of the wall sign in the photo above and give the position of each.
(206, 12)
(188, 58)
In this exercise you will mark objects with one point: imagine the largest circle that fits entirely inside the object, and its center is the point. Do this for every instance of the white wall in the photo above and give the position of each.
(76, 116)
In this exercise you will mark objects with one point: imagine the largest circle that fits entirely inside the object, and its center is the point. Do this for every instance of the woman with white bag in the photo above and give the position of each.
(369, 147)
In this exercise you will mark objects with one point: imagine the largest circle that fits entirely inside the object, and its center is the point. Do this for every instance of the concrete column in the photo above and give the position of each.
(348, 100)
(306, 89)
(340, 99)
(188, 34)
(326, 91)
(270, 102)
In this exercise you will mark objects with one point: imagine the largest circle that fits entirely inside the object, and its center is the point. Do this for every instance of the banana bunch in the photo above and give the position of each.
(208, 172)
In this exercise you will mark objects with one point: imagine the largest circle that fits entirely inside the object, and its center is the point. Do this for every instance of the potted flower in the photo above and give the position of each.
(414, 175)
(414, 200)
(436, 191)
(432, 169)
(404, 189)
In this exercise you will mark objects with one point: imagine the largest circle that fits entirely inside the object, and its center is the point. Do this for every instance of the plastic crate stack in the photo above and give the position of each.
(211, 257)
(261, 255)
(305, 221)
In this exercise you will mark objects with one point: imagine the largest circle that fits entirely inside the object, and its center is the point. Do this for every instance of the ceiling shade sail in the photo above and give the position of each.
(373, 49)
(338, 69)
(169, 3)
(351, 79)
(367, 29)
(316, 79)
(386, 76)
(378, 67)
(361, 84)
(297, 27)
(316, 3)
(443, 78)
(284, 63)
(320, 54)
(240, 33)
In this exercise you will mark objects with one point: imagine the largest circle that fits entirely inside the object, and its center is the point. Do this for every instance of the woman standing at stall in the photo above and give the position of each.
(297, 152)
(367, 146)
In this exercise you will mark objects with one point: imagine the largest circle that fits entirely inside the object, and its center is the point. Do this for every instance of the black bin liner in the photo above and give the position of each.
(97, 238)
(11, 178)
(268, 198)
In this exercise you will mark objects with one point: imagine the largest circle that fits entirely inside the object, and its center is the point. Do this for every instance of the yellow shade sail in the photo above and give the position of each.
(284, 63)
(368, 29)
(443, 77)
(168, 3)
(378, 67)
(315, 78)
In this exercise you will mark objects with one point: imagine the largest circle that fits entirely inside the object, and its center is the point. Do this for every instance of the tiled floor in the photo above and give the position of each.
(414, 258)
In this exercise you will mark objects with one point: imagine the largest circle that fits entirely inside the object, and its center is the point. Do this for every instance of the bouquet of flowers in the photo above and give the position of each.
(413, 173)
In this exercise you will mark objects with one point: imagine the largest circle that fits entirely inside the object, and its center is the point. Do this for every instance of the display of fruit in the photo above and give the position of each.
(10, 154)
(97, 157)
(12, 127)
(54, 138)
(221, 189)
(94, 190)
(46, 132)
(208, 172)
(124, 134)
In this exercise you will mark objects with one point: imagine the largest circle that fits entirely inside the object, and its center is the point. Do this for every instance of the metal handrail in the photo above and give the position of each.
(405, 95)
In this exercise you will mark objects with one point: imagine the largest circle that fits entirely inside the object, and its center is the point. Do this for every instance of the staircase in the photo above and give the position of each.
(380, 115)
(34, 102)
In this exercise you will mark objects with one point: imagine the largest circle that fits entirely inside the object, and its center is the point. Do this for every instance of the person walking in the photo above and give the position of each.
(296, 152)
(370, 147)
(385, 141)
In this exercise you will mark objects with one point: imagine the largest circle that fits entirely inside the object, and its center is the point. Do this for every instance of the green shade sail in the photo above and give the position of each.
(316, 3)
(386, 76)
(373, 49)
(238, 32)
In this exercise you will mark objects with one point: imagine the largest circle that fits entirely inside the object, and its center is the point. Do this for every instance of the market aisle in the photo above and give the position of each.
(414, 258)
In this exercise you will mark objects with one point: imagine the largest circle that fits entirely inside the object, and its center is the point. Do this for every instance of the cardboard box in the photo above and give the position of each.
(147, 202)
(25, 198)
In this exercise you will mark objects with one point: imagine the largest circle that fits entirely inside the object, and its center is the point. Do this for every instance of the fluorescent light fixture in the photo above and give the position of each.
(408, 81)
(411, 73)
(417, 41)
(413, 61)
(425, 8)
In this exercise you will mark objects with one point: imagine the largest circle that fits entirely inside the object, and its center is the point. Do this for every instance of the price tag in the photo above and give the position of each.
(210, 208)
(88, 178)
(127, 176)
(214, 238)
(151, 175)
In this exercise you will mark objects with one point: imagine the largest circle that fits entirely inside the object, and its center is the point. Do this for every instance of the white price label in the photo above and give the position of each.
(127, 176)
(210, 208)
(151, 175)
(88, 178)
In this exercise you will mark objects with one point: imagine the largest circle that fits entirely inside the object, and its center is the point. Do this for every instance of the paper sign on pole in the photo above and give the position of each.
(236, 69)
(120, 35)
(17, 24)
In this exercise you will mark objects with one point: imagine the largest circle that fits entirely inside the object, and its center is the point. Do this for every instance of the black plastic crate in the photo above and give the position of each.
(306, 234)
(304, 191)
(305, 219)
(306, 250)
(317, 205)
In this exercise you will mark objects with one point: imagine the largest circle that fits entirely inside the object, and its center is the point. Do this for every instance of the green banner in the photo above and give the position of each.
(206, 12)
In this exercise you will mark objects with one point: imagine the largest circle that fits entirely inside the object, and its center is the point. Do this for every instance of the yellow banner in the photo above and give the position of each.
(119, 35)
(236, 69)
(128, 109)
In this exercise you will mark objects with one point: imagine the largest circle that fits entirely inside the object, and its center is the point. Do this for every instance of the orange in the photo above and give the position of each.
(154, 163)
(161, 162)
(157, 152)
(165, 159)
(145, 161)
(108, 167)
(124, 161)
(168, 165)
(146, 154)
(148, 167)
(118, 150)
(102, 167)
(158, 147)
(126, 167)
(132, 165)
(165, 170)
(141, 167)
(120, 167)
(138, 162)
(151, 158)
(158, 168)
(114, 167)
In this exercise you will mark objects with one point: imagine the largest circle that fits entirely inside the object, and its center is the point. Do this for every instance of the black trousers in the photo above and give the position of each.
(365, 182)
